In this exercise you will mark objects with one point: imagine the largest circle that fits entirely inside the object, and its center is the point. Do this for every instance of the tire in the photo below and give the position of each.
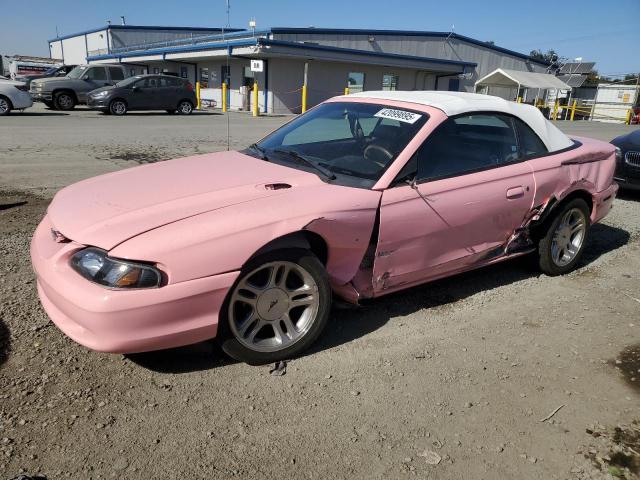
(118, 107)
(64, 101)
(561, 247)
(5, 106)
(185, 107)
(253, 318)
(50, 105)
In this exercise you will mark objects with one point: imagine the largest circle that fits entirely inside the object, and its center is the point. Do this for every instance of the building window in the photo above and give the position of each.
(156, 70)
(183, 72)
(225, 74)
(389, 81)
(356, 82)
(454, 84)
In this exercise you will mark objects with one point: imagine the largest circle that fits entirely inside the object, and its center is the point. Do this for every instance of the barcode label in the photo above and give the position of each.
(400, 115)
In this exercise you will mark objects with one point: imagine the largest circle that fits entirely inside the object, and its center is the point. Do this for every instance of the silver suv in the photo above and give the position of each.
(64, 93)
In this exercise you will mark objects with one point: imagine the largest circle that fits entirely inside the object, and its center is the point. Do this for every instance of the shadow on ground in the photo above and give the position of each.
(348, 324)
(7, 206)
(5, 342)
(48, 113)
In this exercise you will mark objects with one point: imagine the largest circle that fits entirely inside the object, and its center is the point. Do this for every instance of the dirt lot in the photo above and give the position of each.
(449, 380)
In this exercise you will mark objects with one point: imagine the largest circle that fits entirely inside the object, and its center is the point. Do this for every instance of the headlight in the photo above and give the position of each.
(618, 155)
(95, 265)
(100, 94)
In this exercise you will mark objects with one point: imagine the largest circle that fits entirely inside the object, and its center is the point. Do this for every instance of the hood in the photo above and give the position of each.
(107, 210)
(103, 89)
(630, 140)
(50, 80)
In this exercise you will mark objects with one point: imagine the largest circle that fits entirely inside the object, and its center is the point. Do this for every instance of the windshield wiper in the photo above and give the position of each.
(325, 172)
(260, 150)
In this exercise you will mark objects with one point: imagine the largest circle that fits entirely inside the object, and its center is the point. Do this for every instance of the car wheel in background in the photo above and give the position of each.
(185, 107)
(277, 307)
(118, 107)
(64, 101)
(5, 106)
(563, 243)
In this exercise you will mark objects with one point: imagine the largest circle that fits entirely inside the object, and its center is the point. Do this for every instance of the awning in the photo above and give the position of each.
(518, 78)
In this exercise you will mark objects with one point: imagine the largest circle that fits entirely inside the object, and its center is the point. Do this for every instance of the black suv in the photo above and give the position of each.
(145, 92)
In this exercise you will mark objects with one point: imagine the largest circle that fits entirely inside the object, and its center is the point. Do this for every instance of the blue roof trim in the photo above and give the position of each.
(408, 33)
(144, 27)
(307, 46)
(186, 48)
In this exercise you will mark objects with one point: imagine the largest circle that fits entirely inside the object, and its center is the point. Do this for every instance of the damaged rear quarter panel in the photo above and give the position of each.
(588, 167)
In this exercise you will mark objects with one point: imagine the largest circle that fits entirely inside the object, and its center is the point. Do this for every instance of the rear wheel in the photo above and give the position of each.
(563, 243)
(185, 107)
(5, 106)
(277, 308)
(118, 107)
(64, 101)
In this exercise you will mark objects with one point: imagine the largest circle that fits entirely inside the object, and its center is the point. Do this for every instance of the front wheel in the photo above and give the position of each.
(5, 106)
(64, 101)
(118, 107)
(277, 308)
(563, 243)
(185, 107)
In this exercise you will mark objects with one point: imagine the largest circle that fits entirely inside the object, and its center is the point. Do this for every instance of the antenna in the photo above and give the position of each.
(228, 3)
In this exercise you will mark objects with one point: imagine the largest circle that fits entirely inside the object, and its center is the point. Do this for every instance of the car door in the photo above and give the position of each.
(472, 189)
(166, 97)
(116, 74)
(142, 93)
(94, 77)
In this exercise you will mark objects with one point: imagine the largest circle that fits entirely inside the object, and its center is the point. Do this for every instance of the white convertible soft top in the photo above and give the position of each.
(455, 103)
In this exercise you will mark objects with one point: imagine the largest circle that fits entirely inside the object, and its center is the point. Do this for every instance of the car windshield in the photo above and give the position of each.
(349, 143)
(128, 81)
(77, 72)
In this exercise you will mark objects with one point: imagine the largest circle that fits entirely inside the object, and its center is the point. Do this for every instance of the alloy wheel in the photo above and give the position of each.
(4, 106)
(273, 306)
(65, 101)
(185, 108)
(568, 237)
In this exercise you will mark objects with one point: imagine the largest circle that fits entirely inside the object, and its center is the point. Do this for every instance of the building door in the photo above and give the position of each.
(454, 84)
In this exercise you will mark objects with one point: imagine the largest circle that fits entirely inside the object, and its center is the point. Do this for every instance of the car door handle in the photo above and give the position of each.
(515, 192)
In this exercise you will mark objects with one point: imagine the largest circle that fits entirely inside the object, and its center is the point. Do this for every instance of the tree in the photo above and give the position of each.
(550, 56)
(490, 42)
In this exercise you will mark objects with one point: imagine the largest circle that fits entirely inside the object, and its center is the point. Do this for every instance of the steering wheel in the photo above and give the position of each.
(378, 154)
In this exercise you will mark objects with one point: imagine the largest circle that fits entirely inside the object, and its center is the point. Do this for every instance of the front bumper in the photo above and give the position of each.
(39, 96)
(123, 321)
(21, 100)
(100, 103)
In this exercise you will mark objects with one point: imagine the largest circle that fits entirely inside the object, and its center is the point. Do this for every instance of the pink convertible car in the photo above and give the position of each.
(361, 196)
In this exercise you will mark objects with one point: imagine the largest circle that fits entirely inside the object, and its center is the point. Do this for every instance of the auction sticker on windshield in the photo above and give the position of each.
(400, 115)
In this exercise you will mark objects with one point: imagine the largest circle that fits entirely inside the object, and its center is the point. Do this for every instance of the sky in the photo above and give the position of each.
(606, 32)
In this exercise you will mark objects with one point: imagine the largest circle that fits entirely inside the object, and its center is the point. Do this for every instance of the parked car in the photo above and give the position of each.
(64, 93)
(59, 71)
(145, 92)
(628, 160)
(13, 96)
(361, 196)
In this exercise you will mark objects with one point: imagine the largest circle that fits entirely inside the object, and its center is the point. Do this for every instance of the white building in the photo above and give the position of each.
(333, 59)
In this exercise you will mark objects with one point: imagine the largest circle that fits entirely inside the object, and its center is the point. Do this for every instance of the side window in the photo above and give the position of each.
(96, 73)
(116, 74)
(530, 143)
(467, 144)
(144, 83)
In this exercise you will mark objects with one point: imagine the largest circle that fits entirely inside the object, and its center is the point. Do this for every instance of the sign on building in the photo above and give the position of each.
(257, 65)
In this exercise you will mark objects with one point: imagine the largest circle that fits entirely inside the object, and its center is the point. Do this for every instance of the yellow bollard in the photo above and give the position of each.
(346, 90)
(224, 96)
(198, 95)
(519, 99)
(304, 98)
(555, 110)
(629, 114)
(573, 109)
(255, 99)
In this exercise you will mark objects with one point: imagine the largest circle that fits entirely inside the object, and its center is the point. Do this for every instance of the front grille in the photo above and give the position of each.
(632, 158)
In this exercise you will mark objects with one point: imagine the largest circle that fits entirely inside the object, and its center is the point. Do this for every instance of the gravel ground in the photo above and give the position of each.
(449, 380)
